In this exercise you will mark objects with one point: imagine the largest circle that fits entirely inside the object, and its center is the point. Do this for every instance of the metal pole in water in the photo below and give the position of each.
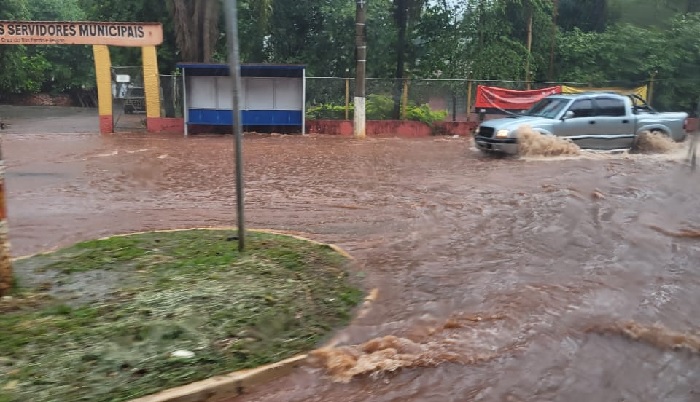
(5, 261)
(235, 67)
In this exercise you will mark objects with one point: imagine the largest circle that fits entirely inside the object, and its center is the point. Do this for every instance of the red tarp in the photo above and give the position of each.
(508, 99)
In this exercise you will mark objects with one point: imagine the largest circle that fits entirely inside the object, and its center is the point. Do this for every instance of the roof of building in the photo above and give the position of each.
(247, 70)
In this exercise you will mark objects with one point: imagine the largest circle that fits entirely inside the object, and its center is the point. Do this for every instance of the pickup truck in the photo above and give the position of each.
(594, 120)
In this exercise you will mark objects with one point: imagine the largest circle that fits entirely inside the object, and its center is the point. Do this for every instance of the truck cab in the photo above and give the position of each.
(597, 120)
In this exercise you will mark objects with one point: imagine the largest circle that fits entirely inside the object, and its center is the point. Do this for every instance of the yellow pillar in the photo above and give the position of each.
(151, 87)
(103, 74)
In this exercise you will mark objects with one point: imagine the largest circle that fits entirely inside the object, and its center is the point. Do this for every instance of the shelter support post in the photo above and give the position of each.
(103, 73)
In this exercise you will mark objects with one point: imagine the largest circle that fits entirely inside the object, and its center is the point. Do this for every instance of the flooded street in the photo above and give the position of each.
(501, 279)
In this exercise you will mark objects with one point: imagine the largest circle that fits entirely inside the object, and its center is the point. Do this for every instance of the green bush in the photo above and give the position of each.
(378, 107)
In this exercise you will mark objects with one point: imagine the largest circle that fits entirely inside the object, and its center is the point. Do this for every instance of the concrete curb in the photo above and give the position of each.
(224, 387)
(294, 235)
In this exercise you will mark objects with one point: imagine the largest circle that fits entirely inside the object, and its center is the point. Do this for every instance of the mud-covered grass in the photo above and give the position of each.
(99, 321)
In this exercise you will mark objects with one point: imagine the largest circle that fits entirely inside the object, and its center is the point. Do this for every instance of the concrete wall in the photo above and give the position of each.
(397, 128)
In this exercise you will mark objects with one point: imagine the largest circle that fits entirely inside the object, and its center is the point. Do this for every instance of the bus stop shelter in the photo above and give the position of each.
(271, 95)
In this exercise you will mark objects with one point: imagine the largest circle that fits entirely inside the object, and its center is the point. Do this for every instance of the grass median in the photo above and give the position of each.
(115, 319)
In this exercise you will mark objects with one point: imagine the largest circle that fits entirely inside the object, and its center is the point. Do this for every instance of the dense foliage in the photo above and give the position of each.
(615, 42)
(379, 107)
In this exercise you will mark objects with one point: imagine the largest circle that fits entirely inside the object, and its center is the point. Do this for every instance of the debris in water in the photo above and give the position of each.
(532, 143)
(655, 335)
(598, 195)
(655, 143)
(683, 233)
(12, 385)
(391, 353)
(182, 354)
(387, 355)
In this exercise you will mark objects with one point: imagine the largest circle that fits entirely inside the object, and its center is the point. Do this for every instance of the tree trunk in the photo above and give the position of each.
(529, 45)
(555, 12)
(481, 11)
(199, 25)
(196, 28)
(401, 16)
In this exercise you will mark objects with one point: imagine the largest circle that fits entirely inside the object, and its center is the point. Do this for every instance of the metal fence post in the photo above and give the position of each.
(347, 99)
(469, 99)
(404, 100)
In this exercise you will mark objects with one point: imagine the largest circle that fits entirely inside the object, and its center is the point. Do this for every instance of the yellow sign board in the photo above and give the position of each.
(640, 91)
(129, 34)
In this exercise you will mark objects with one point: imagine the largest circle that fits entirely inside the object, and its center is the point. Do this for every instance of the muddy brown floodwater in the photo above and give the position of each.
(566, 279)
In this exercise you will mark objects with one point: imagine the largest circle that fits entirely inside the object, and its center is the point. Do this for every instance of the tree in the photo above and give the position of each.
(586, 15)
(405, 11)
(137, 11)
(255, 17)
(197, 28)
(21, 71)
(63, 73)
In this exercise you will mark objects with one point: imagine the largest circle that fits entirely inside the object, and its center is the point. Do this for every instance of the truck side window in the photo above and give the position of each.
(582, 108)
(610, 107)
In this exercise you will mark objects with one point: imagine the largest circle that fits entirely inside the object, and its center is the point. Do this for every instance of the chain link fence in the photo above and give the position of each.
(455, 99)
(128, 99)
(171, 96)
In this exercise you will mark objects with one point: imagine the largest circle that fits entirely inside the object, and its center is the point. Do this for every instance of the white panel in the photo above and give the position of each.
(260, 94)
(288, 94)
(224, 87)
(202, 92)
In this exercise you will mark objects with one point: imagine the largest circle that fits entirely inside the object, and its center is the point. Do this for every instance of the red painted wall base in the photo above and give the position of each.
(375, 128)
(396, 128)
(165, 125)
(106, 125)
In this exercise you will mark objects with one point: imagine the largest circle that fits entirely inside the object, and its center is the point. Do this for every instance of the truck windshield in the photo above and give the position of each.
(548, 107)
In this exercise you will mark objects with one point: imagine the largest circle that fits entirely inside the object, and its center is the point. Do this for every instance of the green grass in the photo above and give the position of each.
(104, 326)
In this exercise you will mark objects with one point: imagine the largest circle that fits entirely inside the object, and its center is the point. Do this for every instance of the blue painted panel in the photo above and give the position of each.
(250, 117)
(271, 118)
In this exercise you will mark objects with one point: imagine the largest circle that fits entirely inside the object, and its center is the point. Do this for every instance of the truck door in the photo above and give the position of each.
(578, 128)
(614, 125)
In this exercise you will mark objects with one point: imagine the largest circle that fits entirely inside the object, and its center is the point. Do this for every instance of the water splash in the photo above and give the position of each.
(683, 233)
(655, 143)
(531, 143)
(655, 335)
(391, 353)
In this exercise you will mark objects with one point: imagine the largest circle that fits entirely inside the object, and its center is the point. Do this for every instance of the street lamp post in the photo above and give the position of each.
(361, 52)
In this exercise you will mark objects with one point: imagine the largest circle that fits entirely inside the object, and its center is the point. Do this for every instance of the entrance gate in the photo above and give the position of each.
(101, 35)
(128, 99)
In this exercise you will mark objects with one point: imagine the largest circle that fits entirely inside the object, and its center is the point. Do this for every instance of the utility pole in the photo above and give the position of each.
(235, 72)
(5, 262)
(555, 14)
(361, 54)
